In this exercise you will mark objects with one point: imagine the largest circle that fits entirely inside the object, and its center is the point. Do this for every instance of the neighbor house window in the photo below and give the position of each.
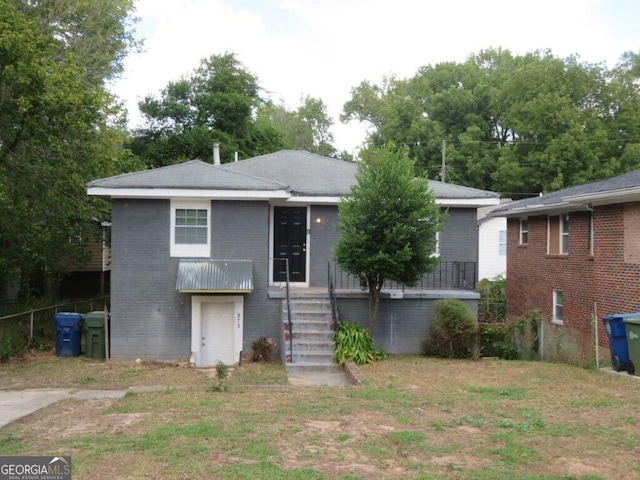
(591, 234)
(190, 229)
(502, 242)
(436, 247)
(558, 238)
(524, 231)
(558, 303)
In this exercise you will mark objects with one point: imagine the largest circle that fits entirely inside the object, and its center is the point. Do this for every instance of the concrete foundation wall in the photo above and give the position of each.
(402, 324)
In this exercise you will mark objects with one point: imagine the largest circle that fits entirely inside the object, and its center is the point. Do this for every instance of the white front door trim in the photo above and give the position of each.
(197, 302)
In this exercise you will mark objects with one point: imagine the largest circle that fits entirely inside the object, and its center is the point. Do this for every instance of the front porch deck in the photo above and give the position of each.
(319, 292)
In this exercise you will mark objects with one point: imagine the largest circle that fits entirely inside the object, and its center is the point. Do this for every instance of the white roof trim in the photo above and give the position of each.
(186, 193)
(606, 197)
(315, 200)
(467, 202)
(190, 193)
(533, 210)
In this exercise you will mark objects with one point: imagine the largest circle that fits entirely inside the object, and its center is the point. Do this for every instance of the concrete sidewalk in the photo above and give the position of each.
(15, 404)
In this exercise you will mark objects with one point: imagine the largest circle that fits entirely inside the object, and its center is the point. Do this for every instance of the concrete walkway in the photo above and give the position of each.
(15, 404)
(329, 379)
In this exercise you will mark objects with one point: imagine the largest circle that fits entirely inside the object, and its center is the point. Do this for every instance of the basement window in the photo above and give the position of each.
(558, 306)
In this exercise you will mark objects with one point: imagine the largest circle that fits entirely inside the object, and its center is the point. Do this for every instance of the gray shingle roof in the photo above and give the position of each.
(296, 171)
(189, 175)
(451, 191)
(557, 199)
(305, 173)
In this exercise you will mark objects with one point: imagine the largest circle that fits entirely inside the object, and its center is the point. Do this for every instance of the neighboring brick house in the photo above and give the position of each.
(196, 243)
(574, 254)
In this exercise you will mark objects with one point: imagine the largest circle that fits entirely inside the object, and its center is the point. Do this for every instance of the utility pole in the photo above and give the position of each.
(444, 159)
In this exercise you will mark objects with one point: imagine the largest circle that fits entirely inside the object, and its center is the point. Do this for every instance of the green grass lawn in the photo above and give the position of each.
(413, 418)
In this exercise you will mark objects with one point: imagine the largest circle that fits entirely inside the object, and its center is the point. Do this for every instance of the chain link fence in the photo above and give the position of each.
(36, 328)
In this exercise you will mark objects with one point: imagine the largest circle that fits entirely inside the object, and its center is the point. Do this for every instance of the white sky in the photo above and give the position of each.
(324, 48)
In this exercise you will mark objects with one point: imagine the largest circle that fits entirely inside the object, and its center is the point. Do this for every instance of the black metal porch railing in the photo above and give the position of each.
(288, 299)
(332, 296)
(446, 276)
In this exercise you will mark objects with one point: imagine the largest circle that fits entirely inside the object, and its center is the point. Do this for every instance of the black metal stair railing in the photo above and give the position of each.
(288, 300)
(332, 297)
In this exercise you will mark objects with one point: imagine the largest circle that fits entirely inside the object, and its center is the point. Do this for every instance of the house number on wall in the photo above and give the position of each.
(238, 318)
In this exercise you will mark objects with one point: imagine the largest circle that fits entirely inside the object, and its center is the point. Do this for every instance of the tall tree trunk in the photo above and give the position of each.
(374, 302)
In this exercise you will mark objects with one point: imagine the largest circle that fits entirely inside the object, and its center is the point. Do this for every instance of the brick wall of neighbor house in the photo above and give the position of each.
(402, 325)
(617, 258)
(533, 275)
(149, 318)
(323, 238)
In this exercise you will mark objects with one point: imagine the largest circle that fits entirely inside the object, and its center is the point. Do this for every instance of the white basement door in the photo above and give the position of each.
(217, 334)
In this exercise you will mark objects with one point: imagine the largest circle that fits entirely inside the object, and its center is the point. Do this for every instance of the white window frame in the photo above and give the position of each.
(591, 234)
(558, 302)
(524, 230)
(190, 250)
(502, 243)
(564, 235)
(436, 247)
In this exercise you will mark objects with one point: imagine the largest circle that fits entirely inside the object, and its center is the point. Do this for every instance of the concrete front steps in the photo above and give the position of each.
(311, 335)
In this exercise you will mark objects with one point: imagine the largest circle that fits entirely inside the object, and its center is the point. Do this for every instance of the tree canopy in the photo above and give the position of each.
(222, 102)
(215, 104)
(388, 225)
(58, 124)
(518, 125)
(306, 128)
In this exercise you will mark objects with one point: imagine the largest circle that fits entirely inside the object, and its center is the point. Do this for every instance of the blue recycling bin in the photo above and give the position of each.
(68, 333)
(614, 326)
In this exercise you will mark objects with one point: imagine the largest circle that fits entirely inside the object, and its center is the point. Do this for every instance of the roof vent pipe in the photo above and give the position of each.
(216, 154)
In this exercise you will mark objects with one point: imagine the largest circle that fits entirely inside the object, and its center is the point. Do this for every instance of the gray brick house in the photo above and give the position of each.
(197, 256)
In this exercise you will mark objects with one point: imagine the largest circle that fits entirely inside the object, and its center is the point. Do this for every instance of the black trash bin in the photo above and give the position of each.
(614, 326)
(68, 333)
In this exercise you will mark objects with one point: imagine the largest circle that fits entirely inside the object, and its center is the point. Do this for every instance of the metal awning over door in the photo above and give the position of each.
(214, 276)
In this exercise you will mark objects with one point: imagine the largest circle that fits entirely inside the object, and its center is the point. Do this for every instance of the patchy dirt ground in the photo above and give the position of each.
(413, 416)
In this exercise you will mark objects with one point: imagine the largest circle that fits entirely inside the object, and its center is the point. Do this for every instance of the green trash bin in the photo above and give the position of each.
(632, 328)
(94, 334)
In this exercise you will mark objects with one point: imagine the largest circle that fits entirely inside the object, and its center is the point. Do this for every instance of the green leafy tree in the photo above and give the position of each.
(388, 225)
(215, 104)
(306, 128)
(518, 125)
(59, 125)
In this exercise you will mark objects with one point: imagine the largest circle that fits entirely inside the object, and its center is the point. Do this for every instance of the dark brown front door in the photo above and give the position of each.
(289, 241)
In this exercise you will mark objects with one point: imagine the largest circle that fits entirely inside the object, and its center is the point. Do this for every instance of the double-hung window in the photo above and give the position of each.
(591, 233)
(524, 231)
(436, 247)
(558, 304)
(558, 239)
(502, 242)
(190, 229)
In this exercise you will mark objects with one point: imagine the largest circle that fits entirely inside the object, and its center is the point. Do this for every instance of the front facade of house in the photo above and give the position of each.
(575, 255)
(198, 251)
